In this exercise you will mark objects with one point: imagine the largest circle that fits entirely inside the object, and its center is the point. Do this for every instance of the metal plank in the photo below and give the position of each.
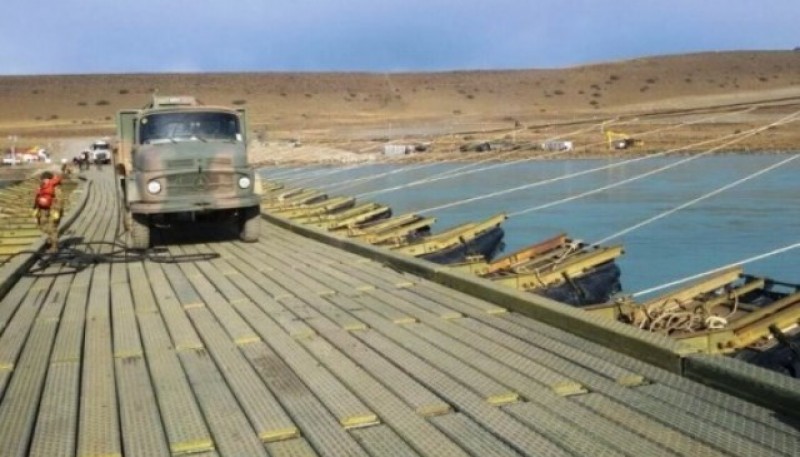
(405, 418)
(181, 331)
(259, 404)
(652, 430)
(529, 364)
(209, 290)
(472, 436)
(778, 441)
(493, 419)
(704, 396)
(98, 432)
(332, 278)
(144, 300)
(405, 345)
(512, 335)
(254, 272)
(20, 404)
(233, 434)
(143, 433)
(297, 280)
(181, 286)
(318, 425)
(69, 341)
(126, 331)
(347, 408)
(421, 400)
(184, 423)
(382, 400)
(382, 441)
(577, 440)
(297, 447)
(57, 421)
(14, 298)
(16, 333)
(342, 403)
(441, 294)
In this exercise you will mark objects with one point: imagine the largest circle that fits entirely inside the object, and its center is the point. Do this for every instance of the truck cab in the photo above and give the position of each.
(100, 152)
(178, 159)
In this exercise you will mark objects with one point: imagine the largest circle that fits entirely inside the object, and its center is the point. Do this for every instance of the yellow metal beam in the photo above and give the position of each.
(457, 235)
(573, 267)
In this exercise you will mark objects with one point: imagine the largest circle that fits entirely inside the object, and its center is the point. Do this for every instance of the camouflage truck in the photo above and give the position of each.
(178, 159)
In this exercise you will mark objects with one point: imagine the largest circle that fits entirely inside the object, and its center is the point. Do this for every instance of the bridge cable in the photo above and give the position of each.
(763, 256)
(443, 176)
(689, 203)
(434, 161)
(737, 137)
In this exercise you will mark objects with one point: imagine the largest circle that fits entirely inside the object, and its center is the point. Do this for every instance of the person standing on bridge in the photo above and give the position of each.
(47, 207)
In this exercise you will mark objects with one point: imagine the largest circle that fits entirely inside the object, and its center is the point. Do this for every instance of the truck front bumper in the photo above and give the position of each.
(203, 204)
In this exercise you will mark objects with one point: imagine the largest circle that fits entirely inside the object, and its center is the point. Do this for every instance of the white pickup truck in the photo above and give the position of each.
(101, 152)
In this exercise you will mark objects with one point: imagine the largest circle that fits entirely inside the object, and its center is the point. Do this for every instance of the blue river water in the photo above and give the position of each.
(755, 217)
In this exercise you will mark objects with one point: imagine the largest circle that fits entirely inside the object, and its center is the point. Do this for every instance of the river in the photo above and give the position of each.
(755, 217)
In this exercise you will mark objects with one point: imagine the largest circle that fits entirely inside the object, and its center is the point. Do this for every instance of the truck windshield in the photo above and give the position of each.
(189, 126)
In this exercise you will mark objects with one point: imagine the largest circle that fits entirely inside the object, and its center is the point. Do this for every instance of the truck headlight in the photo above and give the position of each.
(244, 182)
(154, 187)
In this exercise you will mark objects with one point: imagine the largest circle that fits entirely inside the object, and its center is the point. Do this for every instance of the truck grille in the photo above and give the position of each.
(220, 162)
(180, 163)
(199, 183)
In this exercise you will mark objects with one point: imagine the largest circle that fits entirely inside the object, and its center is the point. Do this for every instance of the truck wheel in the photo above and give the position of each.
(140, 232)
(250, 224)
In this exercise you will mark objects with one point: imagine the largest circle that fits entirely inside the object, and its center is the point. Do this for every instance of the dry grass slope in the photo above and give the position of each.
(371, 107)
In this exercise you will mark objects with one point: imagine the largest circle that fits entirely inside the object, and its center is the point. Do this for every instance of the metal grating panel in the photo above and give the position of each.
(262, 408)
(98, 433)
(233, 434)
(20, 402)
(57, 421)
(382, 441)
(472, 437)
(139, 416)
(318, 426)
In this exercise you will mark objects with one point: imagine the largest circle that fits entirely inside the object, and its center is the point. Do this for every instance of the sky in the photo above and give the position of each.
(156, 36)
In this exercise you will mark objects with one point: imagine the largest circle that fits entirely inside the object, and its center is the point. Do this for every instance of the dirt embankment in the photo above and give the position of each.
(666, 102)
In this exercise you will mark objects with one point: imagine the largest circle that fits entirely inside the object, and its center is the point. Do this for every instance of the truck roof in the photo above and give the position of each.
(167, 101)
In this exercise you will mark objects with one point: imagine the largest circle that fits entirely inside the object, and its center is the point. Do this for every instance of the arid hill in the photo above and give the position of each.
(354, 110)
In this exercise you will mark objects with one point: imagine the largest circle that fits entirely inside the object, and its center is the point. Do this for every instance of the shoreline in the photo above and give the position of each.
(485, 158)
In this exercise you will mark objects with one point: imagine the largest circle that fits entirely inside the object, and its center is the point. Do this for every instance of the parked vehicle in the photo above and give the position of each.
(100, 152)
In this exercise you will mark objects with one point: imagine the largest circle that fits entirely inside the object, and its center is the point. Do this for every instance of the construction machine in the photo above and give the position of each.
(620, 140)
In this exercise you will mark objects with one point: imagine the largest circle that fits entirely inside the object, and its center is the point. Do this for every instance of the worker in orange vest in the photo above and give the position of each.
(47, 207)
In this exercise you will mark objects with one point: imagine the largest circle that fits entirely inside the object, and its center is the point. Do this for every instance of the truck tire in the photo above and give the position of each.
(250, 224)
(140, 232)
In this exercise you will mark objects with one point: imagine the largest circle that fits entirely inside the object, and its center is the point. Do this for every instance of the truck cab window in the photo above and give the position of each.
(174, 127)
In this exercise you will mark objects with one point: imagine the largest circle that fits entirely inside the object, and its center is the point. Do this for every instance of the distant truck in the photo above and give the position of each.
(100, 152)
(180, 160)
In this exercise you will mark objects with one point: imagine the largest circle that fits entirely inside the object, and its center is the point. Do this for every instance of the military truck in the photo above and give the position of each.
(180, 160)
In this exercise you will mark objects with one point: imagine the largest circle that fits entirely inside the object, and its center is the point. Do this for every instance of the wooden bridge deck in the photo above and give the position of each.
(289, 347)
